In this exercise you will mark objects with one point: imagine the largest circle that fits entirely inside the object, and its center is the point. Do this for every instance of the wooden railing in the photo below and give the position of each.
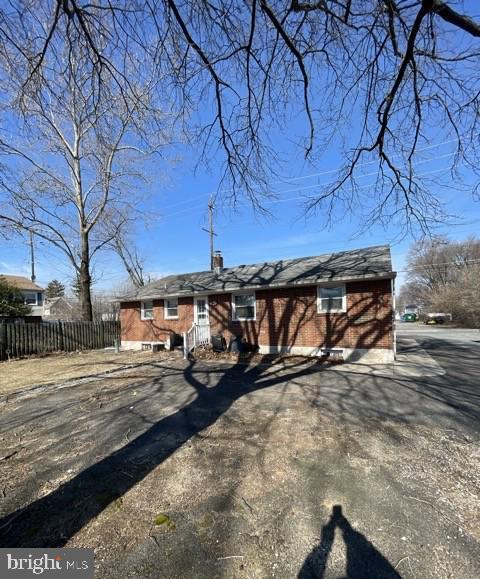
(197, 335)
(202, 335)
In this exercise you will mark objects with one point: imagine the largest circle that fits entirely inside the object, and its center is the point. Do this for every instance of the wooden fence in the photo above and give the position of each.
(23, 339)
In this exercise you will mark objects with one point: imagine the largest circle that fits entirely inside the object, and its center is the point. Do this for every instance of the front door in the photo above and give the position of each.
(201, 311)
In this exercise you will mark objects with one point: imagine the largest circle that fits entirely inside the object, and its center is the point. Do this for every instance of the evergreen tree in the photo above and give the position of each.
(55, 289)
(76, 287)
(12, 301)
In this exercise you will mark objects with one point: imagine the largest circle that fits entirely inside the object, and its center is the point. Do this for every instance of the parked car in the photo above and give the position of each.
(409, 318)
(435, 319)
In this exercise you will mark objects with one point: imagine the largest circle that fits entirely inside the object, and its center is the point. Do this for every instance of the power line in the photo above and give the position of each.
(269, 202)
(303, 198)
(369, 162)
(321, 173)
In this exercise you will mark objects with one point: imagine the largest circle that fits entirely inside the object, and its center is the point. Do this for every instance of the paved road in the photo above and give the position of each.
(457, 350)
(454, 336)
(449, 359)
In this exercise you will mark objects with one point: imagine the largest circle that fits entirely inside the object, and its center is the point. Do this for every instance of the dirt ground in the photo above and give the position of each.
(19, 374)
(214, 469)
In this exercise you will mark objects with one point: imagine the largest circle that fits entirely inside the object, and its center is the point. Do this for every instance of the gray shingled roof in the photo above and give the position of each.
(370, 262)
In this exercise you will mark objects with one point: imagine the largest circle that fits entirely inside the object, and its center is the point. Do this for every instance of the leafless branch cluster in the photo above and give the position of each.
(444, 276)
(134, 265)
(380, 81)
(78, 123)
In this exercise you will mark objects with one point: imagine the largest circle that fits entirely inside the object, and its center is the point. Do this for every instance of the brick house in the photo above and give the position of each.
(340, 302)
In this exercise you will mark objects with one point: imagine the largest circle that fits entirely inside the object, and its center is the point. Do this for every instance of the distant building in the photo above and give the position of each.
(61, 308)
(32, 293)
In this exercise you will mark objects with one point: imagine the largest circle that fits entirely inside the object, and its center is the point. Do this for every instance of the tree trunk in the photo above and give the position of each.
(85, 280)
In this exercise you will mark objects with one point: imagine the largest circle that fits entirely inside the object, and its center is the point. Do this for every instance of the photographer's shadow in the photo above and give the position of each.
(363, 560)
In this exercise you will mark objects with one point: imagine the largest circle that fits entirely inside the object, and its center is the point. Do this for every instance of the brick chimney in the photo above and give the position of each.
(217, 262)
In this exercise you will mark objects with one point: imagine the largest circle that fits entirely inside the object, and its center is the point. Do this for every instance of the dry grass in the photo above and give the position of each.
(20, 374)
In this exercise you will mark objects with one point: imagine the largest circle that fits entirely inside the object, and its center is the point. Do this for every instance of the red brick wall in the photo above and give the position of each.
(286, 317)
(158, 329)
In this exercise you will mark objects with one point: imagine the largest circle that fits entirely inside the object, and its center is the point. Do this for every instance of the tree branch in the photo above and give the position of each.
(449, 15)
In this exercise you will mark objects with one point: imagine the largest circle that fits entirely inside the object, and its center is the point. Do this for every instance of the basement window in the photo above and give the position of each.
(170, 308)
(146, 310)
(243, 307)
(331, 299)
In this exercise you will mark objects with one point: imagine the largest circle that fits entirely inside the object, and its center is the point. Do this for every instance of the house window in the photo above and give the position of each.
(243, 306)
(171, 308)
(30, 298)
(146, 310)
(331, 299)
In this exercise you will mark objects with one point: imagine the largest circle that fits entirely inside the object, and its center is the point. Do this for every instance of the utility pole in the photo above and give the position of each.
(32, 258)
(210, 230)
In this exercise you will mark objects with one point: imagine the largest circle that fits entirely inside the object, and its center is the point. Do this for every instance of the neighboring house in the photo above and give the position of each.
(66, 308)
(32, 293)
(61, 308)
(341, 302)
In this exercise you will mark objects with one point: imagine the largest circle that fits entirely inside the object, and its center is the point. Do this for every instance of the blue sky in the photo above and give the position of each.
(173, 240)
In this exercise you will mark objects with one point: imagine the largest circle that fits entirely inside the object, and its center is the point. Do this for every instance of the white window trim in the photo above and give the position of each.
(234, 312)
(142, 311)
(165, 309)
(343, 310)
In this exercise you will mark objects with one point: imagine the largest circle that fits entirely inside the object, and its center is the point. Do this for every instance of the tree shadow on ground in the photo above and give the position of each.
(363, 560)
(52, 520)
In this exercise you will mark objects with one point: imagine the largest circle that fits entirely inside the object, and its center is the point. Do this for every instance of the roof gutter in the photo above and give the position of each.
(390, 275)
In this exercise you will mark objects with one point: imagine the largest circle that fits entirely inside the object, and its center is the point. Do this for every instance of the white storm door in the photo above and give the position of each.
(200, 305)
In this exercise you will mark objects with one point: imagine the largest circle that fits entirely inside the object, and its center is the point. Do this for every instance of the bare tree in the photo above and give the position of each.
(75, 141)
(406, 70)
(442, 276)
(460, 299)
(105, 308)
(438, 262)
(134, 265)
